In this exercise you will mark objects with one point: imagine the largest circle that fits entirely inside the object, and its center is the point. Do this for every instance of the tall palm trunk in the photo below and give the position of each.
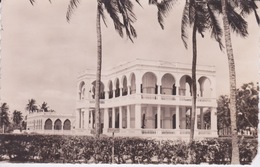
(0, 50)
(194, 87)
(98, 75)
(0, 60)
(194, 84)
(232, 84)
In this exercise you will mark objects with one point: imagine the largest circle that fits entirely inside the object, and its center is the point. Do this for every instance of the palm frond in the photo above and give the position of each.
(164, 7)
(72, 5)
(202, 21)
(138, 2)
(33, 1)
(184, 24)
(112, 9)
(216, 31)
(102, 14)
(247, 7)
(215, 5)
(125, 8)
(236, 21)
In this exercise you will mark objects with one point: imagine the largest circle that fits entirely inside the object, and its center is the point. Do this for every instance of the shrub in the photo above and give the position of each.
(86, 149)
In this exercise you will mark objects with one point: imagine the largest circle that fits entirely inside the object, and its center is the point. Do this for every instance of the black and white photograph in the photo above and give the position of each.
(157, 82)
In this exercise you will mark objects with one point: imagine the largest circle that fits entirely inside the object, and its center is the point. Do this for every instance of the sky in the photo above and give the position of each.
(42, 54)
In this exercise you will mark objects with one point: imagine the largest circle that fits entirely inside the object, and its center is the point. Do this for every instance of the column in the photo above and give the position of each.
(113, 117)
(213, 119)
(106, 119)
(138, 116)
(159, 89)
(121, 91)
(128, 90)
(177, 117)
(138, 85)
(114, 93)
(158, 117)
(128, 116)
(177, 89)
(42, 123)
(106, 94)
(120, 117)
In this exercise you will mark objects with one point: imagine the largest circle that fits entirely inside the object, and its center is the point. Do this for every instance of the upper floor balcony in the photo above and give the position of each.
(149, 82)
(143, 98)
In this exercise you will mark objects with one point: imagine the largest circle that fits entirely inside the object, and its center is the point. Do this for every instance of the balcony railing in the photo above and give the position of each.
(151, 97)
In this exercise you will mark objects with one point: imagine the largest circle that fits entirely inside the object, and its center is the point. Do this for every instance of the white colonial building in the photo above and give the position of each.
(50, 123)
(148, 98)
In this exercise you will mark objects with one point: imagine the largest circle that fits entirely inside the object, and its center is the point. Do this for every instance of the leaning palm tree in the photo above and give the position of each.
(118, 10)
(4, 117)
(31, 106)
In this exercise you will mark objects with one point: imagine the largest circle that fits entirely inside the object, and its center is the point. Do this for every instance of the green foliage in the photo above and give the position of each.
(80, 149)
(247, 108)
(17, 118)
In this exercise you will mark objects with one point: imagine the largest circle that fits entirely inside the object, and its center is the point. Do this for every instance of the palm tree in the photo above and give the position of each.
(115, 9)
(0, 44)
(31, 106)
(239, 25)
(4, 117)
(200, 17)
(17, 117)
(44, 107)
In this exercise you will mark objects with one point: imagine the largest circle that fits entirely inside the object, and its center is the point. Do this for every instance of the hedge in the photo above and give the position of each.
(86, 149)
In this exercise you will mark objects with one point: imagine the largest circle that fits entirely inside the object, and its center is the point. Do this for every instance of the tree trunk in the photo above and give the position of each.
(194, 84)
(232, 85)
(98, 76)
(194, 87)
(0, 52)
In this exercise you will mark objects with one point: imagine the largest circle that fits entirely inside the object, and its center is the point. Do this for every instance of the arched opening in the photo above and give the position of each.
(168, 85)
(57, 124)
(185, 85)
(149, 81)
(204, 89)
(124, 91)
(117, 91)
(82, 90)
(133, 84)
(67, 125)
(48, 124)
(101, 93)
(110, 89)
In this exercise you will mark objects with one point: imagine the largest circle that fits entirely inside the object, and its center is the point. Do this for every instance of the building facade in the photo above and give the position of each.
(148, 99)
(50, 123)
